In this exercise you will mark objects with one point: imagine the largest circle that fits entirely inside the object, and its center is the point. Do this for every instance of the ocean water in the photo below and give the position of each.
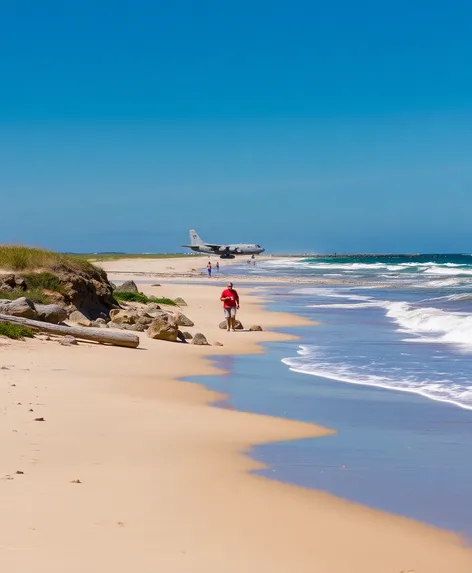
(389, 366)
(400, 323)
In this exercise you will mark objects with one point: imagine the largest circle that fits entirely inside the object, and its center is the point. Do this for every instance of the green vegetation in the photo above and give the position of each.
(15, 331)
(20, 258)
(35, 294)
(138, 297)
(43, 281)
(99, 257)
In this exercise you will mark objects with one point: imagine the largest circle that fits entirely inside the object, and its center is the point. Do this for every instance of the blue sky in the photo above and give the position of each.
(341, 126)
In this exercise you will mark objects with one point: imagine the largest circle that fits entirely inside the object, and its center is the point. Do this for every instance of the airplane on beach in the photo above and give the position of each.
(224, 251)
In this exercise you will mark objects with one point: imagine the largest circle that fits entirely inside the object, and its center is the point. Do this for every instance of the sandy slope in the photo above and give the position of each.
(164, 482)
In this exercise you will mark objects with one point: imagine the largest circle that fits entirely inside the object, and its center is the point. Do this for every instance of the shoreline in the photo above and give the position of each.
(218, 517)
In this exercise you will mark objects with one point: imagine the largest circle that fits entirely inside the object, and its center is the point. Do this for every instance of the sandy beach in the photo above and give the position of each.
(165, 482)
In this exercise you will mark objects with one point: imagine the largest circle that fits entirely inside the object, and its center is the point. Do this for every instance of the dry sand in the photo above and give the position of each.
(164, 480)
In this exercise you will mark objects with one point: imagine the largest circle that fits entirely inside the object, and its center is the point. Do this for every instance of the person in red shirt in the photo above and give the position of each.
(230, 299)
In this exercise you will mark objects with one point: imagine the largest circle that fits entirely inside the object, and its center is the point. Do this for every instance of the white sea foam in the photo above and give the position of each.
(314, 363)
(437, 324)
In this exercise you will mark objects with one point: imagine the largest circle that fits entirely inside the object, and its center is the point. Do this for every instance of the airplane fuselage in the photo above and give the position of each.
(229, 251)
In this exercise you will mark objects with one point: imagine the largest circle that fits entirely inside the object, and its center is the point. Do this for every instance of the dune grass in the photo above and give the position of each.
(139, 297)
(15, 331)
(35, 294)
(21, 258)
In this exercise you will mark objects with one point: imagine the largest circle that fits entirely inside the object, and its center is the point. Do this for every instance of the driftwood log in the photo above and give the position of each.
(105, 336)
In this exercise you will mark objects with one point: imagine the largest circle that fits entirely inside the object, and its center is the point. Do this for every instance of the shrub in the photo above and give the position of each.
(36, 295)
(15, 331)
(139, 297)
(43, 281)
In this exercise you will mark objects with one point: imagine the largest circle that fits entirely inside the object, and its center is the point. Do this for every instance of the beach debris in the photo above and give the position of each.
(127, 286)
(217, 344)
(187, 335)
(256, 328)
(31, 410)
(180, 301)
(119, 523)
(127, 339)
(19, 472)
(156, 285)
(163, 329)
(238, 325)
(200, 339)
(8, 477)
(68, 341)
(4, 368)
(79, 318)
(75, 481)
(52, 313)
(39, 420)
(21, 307)
(182, 320)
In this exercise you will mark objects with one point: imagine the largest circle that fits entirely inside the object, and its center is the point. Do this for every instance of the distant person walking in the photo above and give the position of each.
(209, 269)
(230, 299)
(217, 266)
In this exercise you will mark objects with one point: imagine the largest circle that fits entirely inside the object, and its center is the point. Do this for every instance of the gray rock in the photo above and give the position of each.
(79, 318)
(20, 283)
(101, 320)
(162, 329)
(217, 344)
(127, 286)
(112, 324)
(180, 301)
(256, 328)
(113, 286)
(187, 335)
(200, 340)
(52, 313)
(151, 306)
(238, 325)
(68, 341)
(22, 307)
(144, 320)
(182, 320)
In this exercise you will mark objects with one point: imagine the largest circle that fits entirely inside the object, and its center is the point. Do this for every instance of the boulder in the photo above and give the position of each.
(187, 335)
(144, 320)
(112, 324)
(181, 319)
(52, 313)
(238, 325)
(200, 339)
(7, 283)
(79, 318)
(127, 286)
(180, 301)
(162, 329)
(68, 341)
(256, 328)
(55, 297)
(151, 307)
(123, 316)
(22, 307)
(134, 327)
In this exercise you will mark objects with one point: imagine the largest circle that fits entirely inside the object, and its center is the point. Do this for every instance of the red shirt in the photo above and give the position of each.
(234, 298)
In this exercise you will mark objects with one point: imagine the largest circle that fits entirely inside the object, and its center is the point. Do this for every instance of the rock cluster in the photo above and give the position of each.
(25, 308)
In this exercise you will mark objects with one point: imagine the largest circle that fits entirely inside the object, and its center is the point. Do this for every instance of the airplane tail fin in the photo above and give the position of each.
(194, 238)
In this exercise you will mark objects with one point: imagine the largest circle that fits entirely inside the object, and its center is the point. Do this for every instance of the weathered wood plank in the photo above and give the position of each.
(102, 335)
